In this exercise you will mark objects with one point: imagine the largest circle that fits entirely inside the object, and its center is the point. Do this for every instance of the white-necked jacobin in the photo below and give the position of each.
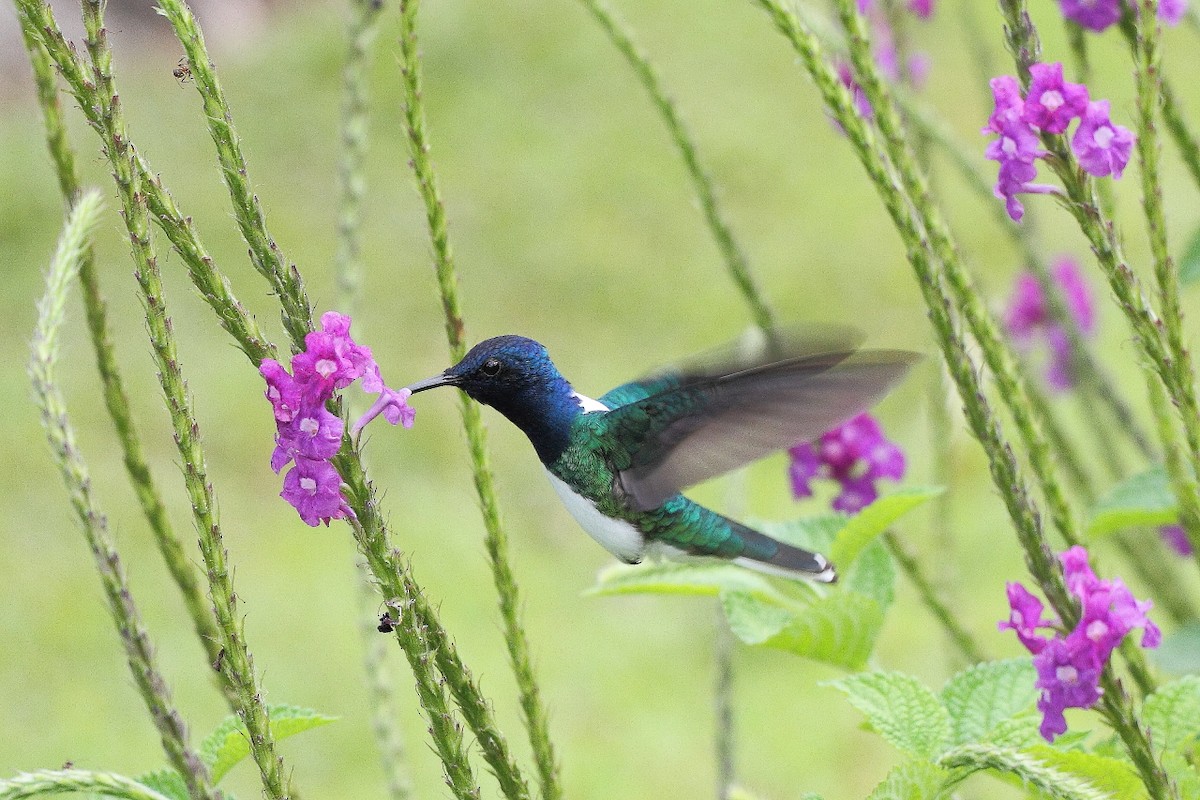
(620, 462)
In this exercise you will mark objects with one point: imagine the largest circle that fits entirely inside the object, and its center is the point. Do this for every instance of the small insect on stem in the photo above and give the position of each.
(219, 661)
(182, 71)
(386, 623)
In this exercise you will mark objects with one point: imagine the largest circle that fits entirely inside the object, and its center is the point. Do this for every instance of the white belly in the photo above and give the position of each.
(616, 536)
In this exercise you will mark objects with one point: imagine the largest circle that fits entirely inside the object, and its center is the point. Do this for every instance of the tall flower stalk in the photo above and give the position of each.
(74, 249)
(497, 539)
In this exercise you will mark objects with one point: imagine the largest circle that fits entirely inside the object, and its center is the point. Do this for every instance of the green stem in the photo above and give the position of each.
(264, 253)
(997, 354)
(446, 733)
(735, 256)
(47, 782)
(73, 249)
(395, 584)
(959, 635)
(116, 401)
(965, 372)
(360, 33)
(496, 540)
(237, 665)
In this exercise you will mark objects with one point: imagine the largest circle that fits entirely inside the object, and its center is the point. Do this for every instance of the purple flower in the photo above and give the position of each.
(1171, 11)
(1025, 617)
(1069, 666)
(393, 404)
(922, 8)
(315, 433)
(1069, 677)
(1052, 103)
(1016, 148)
(306, 431)
(855, 454)
(331, 359)
(1027, 316)
(1102, 147)
(282, 390)
(1176, 539)
(1095, 15)
(861, 103)
(314, 487)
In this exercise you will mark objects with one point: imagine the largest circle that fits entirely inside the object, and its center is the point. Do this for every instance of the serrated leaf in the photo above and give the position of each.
(840, 629)
(228, 743)
(1172, 714)
(904, 711)
(1179, 652)
(914, 780)
(862, 528)
(980, 698)
(872, 574)
(166, 782)
(1144, 499)
(1189, 263)
(684, 578)
(1112, 775)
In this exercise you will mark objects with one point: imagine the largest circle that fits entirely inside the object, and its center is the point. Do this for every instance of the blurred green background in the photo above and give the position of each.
(573, 222)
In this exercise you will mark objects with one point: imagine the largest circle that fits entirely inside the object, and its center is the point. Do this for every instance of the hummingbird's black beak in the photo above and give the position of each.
(432, 383)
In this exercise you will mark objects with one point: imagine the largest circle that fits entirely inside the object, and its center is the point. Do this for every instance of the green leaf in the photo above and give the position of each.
(914, 780)
(1172, 714)
(1028, 769)
(1144, 499)
(982, 697)
(863, 528)
(1112, 775)
(166, 782)
(902, 709)
(1189, 264)
(686, 578)
(1179, 652)
(840, 629)
(228, 743)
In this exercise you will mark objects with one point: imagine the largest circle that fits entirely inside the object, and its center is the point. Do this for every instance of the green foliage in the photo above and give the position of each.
(864, 527)
(901, 709)
(222, 749)
(1189, 264)
(1027, 768)
(989, 701)
(1173, 715)
(166, 782)
(1107, 773)
(1144, 499)
(914, 780)
(836, 625)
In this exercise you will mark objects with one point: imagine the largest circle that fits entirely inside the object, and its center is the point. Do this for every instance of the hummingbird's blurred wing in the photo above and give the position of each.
(753, 348)
(704, 426)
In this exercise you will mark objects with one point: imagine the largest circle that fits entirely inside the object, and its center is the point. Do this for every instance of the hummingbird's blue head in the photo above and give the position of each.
(515, 376)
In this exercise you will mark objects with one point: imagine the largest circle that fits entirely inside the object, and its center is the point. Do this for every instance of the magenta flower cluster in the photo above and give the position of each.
(1069, 666)
(855, 454)
(1027, 317)
(1098, 15)
(883, 39)
(1051, 104)
(307, 433)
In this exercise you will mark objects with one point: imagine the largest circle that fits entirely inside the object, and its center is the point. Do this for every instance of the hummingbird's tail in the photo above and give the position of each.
(773, 557)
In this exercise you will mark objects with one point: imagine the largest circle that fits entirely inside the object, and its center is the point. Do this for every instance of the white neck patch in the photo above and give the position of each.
(588, 404)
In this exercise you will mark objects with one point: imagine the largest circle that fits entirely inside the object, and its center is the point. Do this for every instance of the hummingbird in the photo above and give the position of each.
(619, 463)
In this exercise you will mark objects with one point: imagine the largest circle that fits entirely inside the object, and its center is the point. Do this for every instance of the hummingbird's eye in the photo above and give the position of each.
(491, 367)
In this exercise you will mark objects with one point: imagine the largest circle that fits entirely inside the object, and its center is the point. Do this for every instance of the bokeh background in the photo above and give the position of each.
(573, 222)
